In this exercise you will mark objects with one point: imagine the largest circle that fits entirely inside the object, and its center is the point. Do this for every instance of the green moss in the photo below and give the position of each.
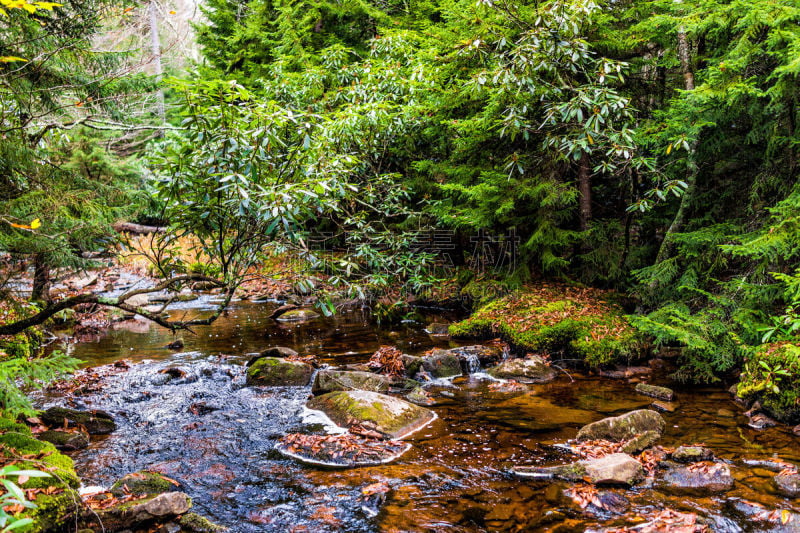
(24, 345)
(52, 510)
(273, 371)
(142, 482)
(772, 377)
(197, 524)
(582, 322)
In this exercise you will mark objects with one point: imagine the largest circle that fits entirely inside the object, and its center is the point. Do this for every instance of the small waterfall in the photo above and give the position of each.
(473, 364)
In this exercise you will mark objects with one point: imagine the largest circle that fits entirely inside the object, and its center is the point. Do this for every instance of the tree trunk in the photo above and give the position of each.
(667, 245)
(41, 280)
(155, 43)
(585, 190)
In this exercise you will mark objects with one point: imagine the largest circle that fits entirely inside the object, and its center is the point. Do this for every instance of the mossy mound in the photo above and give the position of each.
(55, 509)
(771, 376)
(142, 483)
(584, 322)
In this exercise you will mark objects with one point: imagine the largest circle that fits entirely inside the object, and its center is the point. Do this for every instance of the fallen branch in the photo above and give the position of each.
(137, 229)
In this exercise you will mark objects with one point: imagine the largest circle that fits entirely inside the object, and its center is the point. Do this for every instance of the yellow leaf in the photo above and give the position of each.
(591, 141)
(669, 149)
(785, 516)
(172, 12)
(36, 223)
(11, 59)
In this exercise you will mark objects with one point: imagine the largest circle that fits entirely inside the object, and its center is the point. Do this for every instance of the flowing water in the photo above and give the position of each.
(202, 427)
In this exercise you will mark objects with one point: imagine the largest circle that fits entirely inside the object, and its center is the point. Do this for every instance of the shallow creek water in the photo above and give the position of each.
(216, 437)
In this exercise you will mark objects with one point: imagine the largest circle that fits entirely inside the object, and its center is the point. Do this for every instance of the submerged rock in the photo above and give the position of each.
(438, 329)
(698, 478)
(298, 315)
(654, 391)
(65, 440)
(613, 469)
(411, 363)
(95, 422)
(344, 451)
(692, 454)
(195, 523)
(142, 483)
(390, 416)
(336, 380)
(623, 427)
(442, 364)
(276, 372)
(530, 370)
(420, 396)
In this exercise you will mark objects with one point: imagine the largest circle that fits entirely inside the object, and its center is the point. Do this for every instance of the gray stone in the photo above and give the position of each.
(164, 505)
(641, 442)
(530, 370)
(623, 427)
(275, 351)
(65, 440)
(616, 468)
(336, 380)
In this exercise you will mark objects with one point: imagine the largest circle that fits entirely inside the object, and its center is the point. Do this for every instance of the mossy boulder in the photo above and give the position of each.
(277, 372)
(698, 479)
(95, 422)
(654, 391)
(336, 380)
(532, 369)
(390, 416)
(587, 323)
(53, 510)
(641, 442)
(623, 427)
(298, 315)
(692, 454)
(442, 364)
(275, 351)
(65, 440)
(412, 364)
(139, 515)
(771, 377)
(142, 483)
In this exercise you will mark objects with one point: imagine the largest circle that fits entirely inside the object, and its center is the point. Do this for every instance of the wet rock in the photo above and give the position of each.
(65, 440)
(623, 427)
(411, 363)
(276, 372)
(275, 351)
(614, 469)
(664, 407)
(698, 478)
(478, 353)
(281, 310)
(447, 394)
(174, 372)
(438, 329)
(796, 430)
(177, 344)
(420, 396)
(773, 520)
(442, 364)
(298, 315)
(202, 408)
(625, 372)
(390, 416)
(530, 370)
(336, 380)
(142, 483)
(788, 484)
(164, 505)
(641, 442)
(95, 422)
(654, 391)
(195, 523)
(692, 454)
(758, 420)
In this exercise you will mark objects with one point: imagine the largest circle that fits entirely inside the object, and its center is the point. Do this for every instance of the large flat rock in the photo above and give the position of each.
(530, 370)
(623, 427)
(390, 416)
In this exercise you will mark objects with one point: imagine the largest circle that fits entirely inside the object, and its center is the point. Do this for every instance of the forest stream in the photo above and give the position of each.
(202, 427)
